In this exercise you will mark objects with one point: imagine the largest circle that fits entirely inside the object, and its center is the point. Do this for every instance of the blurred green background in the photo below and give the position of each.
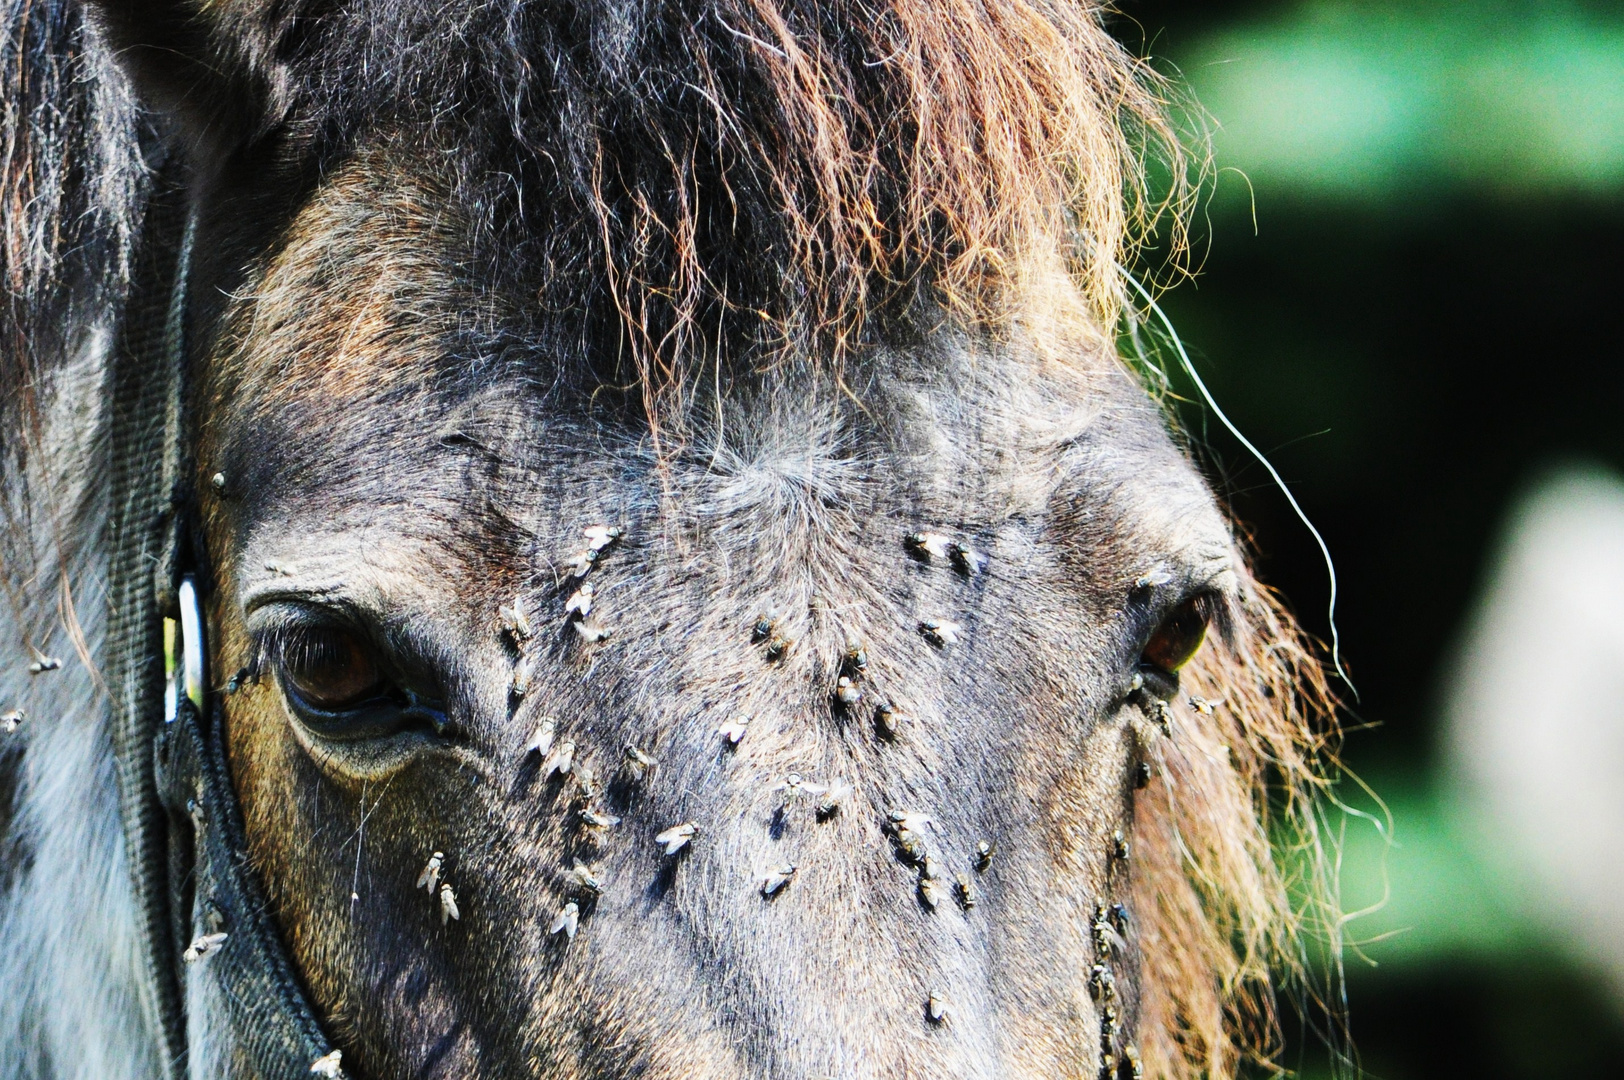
(1408, 297)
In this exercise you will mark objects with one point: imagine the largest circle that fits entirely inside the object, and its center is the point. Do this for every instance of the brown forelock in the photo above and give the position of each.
(781, 172)
(375, 468)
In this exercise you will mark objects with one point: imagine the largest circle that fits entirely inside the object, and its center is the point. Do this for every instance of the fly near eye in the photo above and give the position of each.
(1178, 637)
(330, 668)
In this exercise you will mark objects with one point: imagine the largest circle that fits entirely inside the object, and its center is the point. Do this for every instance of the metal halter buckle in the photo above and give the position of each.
(188, 674)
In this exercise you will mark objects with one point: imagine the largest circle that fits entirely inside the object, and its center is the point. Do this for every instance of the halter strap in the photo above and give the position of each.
(183, 829)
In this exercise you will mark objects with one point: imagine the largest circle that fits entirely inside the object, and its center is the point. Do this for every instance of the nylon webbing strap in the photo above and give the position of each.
(141, 545)
(183, 828)
(271, 1020)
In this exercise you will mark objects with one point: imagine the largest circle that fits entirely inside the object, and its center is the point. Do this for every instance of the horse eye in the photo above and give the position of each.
(330, 669)
(1178, 637)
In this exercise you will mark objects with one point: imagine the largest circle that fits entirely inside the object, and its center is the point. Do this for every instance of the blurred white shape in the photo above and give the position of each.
(1535, 718)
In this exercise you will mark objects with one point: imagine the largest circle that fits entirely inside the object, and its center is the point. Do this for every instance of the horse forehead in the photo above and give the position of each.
(351, 368)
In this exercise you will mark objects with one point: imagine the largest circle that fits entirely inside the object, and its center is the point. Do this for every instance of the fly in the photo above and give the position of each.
(847, 692)
(580, 602)
(833, 799)
(204, 945)
(638, 763)
(1150, 579)
(774, 880)
(888, 720)
(522, 676)
(795, 785)
(967, 559)
(856, 659)
(587, 780)
(599, 537)
(1162, 715)
(515, 623)
(594, 819)
(329, 1066)
(559, 760)
(940, 632)
(448, 904)
(12, 720)
(583, 878)
(928, 545)
(44, 663)
(429, 879)
(733, 730)
(677, 837)
(1101, 983)
(936, 1007)
(541, 740)
(567, 920)
(591, 629)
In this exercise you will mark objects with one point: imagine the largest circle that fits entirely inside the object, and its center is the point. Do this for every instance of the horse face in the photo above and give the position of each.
(814, 745)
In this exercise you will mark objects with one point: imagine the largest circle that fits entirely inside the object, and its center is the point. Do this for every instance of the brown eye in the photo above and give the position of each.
(1178, 637)
(330, 669)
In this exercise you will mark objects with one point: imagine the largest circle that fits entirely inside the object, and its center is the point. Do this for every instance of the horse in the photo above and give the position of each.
(609, 539)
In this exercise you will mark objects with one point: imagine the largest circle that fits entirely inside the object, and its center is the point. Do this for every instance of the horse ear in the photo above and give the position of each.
(194, 61)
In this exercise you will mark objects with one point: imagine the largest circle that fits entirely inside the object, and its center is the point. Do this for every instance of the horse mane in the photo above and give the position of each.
(72, 186)
(783, 179)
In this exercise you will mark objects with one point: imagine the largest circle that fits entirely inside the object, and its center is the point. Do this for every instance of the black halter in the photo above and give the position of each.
(183, 830)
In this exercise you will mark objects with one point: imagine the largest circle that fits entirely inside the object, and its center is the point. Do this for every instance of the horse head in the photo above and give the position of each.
(692, 588)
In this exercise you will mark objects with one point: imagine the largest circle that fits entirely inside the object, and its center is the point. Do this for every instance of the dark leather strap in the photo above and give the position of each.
(183, 828)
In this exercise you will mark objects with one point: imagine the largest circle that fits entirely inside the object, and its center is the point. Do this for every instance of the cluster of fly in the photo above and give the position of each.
(1109, 926)
(774, 642)
(431, 881)
(825, 799)
(1154, 707)
(583, 882)
(578, 606)
(908, 834)
(853, 669)
(931, 547)
(516, 619)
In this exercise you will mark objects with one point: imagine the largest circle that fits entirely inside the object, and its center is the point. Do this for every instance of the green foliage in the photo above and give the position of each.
(1389, 101)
